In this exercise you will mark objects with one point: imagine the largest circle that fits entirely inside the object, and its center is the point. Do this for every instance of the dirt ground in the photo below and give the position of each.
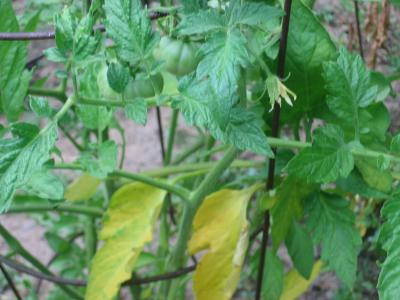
(143, 152)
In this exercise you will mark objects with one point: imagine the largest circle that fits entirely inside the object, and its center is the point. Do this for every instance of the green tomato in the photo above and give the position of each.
(179, 57)
(144, 87)
(104, 88)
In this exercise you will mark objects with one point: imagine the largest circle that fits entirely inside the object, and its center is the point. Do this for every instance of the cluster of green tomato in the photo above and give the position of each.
(179, 59)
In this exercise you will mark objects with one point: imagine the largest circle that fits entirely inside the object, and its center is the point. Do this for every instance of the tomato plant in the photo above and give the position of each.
(288, 145)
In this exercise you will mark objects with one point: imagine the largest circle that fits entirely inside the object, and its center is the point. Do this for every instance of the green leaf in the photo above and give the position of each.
(332, 225)
(73, 37)
(14, 81)
(221, 228)
(92, 117)
(287, 207)
(242, 129)
(129, 26)
(240, 13)
(355, 184)
(190, 6)
(395, 144)
(221, 58)
(300, 248)
(273, 277)
(380, 180)
(41, 107)
(328, 159)
(45, 184)
(202, 22)
(117, 77)
(24, 163)
(389, 237)
(349, 87)
(137, 111)
(309, 46)
(104, 163)
(128, 226)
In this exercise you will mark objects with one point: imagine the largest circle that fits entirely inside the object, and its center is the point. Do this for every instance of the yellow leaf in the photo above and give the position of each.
(221, 227)
(82, 188)
(294, 285)
(128, 226)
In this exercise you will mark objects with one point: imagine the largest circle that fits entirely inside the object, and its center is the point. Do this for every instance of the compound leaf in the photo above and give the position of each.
(23, 162)
(287, 207)
(221, 228)
(349, 87)
(309, 46)
(273, 277)
(129, 26)
(328, 159)
(332, 225)
(389, 236)
(14, 80)
(128, 226)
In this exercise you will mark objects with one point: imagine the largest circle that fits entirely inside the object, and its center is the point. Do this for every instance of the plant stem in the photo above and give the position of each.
(58, 94)
(177, 190)
(171, 136)
(40, 208)
(189, 151)
(178, 256)
(90, 238)
(15, 245)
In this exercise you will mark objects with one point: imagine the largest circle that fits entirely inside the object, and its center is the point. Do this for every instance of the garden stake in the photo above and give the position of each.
(275, 133)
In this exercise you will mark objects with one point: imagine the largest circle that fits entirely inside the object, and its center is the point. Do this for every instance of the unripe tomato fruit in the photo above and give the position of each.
(144, 87)
(179, 56)
(104, 88)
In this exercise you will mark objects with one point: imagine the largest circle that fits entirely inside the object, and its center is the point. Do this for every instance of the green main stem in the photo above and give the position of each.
(178, 256)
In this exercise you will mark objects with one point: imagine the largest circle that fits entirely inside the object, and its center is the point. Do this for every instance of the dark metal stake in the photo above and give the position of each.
(359, 33)
(10, 282)
(274, 133)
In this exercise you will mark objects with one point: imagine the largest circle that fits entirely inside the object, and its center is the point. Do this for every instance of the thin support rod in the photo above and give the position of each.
(80, 282)
(275, 133)
(359, 33)
(10, 282)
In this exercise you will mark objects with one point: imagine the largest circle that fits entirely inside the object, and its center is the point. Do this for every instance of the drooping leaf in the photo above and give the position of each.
(104, 163)
(82, 188)
(331, 224)
(129, 26)
(389, 237)
(137, 111)
(328, 159)
(309, 46)
(221, 228)
(273, 277)
(23, 162)
(294, 285)
(128, 226)
(288, 206)
(14, 80)
(349, 88)
(300, 248)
